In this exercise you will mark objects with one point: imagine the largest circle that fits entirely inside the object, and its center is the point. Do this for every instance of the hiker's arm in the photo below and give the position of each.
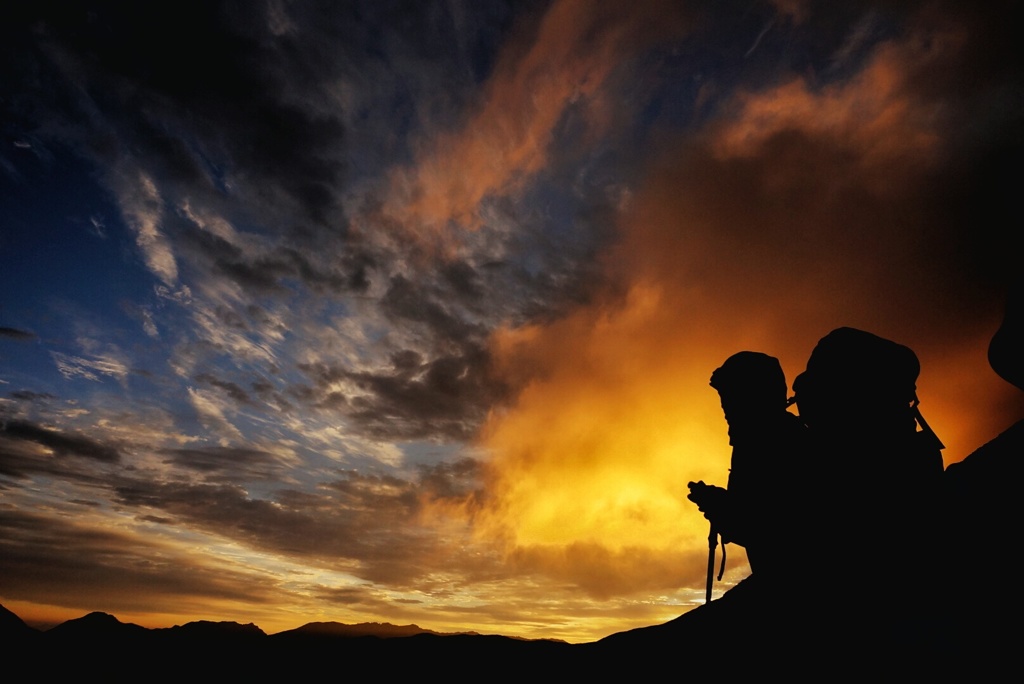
(718, 507)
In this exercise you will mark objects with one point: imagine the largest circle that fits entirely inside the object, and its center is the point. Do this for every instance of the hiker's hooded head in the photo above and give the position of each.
(751, 386)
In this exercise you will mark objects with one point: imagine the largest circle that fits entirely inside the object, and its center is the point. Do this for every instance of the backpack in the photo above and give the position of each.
(856, 376)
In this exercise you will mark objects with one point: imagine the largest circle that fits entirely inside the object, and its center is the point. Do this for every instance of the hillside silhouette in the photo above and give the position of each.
(101, 640)
(740, 632)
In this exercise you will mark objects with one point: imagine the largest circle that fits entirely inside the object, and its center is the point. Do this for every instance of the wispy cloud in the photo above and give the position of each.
(142, 209)
(90, 368)
(212, 411)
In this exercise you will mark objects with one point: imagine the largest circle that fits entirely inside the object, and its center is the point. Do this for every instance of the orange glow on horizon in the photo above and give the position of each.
(587, 478)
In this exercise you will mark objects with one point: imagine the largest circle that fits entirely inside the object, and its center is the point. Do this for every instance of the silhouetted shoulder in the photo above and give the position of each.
(1006, 350)
(991, 472)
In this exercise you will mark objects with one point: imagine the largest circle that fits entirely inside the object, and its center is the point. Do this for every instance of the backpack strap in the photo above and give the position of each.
(925, 428)
(721, 568)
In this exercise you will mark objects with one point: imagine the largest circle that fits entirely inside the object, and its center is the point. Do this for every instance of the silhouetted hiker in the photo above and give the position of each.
(769, 456)
(875, 504)
(761, 510)
(983, 511)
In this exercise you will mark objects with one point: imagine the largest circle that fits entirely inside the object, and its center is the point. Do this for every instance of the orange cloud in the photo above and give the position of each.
(590, 465)
(564, 64)
(875, 116)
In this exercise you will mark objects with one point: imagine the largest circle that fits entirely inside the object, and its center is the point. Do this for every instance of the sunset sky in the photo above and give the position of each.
(406, 311)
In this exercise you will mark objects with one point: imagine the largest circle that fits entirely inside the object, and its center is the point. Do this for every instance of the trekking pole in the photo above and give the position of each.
(712, 543)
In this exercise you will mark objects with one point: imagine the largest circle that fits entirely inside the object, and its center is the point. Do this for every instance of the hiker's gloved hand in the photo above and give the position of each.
(710, 500)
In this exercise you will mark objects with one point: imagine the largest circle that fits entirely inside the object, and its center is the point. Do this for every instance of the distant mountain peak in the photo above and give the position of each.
(384, 630)
(13, 626)
(208, 627)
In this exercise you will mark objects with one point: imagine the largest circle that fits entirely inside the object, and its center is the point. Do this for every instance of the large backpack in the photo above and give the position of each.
(853, 375)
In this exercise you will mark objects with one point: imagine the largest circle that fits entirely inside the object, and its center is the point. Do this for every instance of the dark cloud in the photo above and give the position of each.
(51, 560)
(29, 396)
(238, 394)
(228, 464)
(231, 318)
(445, 387)
(278, 269)
(156, 519)
(361, 519)
(408, 301)
(20, 458)
(456, 480)
(266, 272)
(269, 393)
(443, 397)
(183, 116)
(61, 444)
(16, 334)
(348, 596)
(463, 279)
(368, 520)
(225, 509)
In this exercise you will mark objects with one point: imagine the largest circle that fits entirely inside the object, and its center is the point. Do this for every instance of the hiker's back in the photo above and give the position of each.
(878, 475)
(770, 475)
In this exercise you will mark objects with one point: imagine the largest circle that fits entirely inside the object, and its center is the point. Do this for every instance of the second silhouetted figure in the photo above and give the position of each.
(769, 459)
